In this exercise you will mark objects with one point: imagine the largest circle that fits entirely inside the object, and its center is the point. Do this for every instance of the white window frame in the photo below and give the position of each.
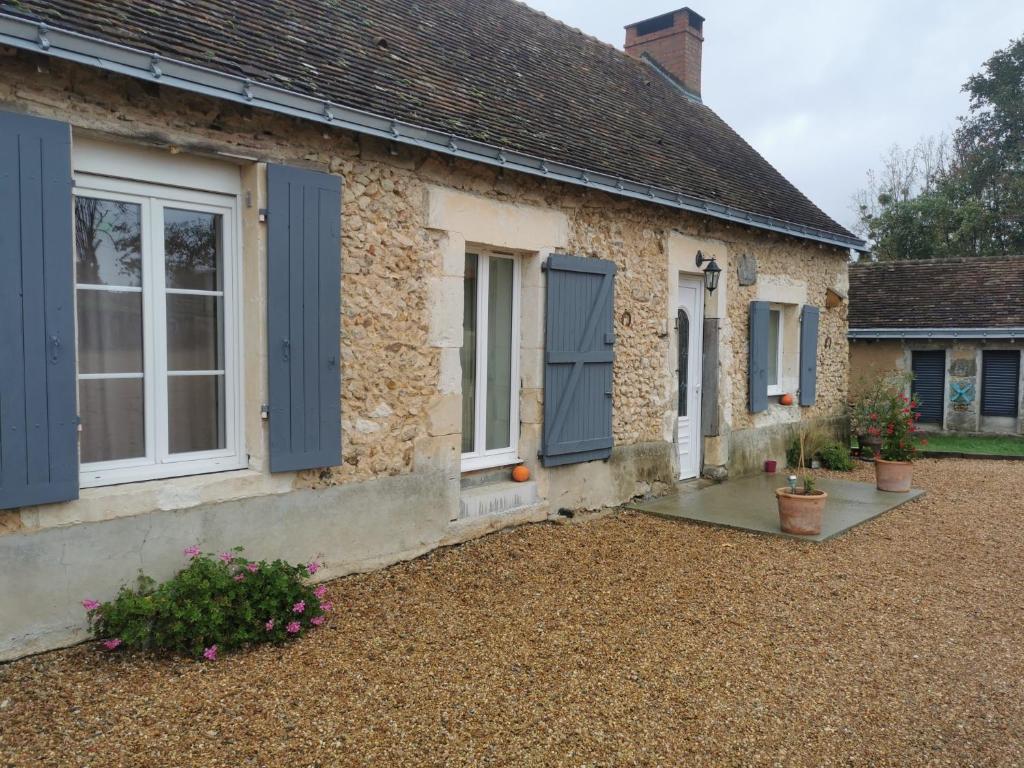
(776, 313)
(159, 463)
(496, 457)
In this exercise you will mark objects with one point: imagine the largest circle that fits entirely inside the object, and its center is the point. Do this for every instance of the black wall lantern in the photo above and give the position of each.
(711, 272)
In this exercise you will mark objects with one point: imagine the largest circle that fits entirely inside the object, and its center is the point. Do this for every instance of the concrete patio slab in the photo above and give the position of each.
(749, 504)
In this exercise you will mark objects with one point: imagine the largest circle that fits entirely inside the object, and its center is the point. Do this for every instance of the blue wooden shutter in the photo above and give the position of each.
(578, 355)
(38, 414)
(303, 318)
(1000, 382)
(809, 318)
(757, 373)
(929, 383)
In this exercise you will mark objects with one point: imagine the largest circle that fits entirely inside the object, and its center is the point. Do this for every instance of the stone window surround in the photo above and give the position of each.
(470, 222)
(790, 296)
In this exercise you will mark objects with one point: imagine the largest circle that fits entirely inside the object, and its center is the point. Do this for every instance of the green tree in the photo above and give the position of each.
(963, 197)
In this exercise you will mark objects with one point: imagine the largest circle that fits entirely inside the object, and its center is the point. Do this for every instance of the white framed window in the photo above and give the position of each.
(158, 333)
(776, 344)
(490, 361)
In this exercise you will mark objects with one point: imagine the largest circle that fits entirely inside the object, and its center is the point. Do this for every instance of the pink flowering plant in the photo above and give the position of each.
(217, 603)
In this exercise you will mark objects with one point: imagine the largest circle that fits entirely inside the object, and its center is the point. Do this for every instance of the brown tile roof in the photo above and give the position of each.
(938, 293)
(491, 70)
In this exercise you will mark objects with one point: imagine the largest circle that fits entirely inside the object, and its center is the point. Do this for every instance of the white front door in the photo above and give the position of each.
(689, 333)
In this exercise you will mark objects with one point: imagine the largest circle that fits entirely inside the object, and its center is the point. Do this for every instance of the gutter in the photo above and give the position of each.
(39, 37)
(1016, 332)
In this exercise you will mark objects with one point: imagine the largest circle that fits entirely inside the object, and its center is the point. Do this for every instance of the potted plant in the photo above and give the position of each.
(869, 410)
(801, 508)
(894, 468)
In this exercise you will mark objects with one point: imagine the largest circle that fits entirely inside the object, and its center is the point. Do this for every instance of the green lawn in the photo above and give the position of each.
(1002, 445)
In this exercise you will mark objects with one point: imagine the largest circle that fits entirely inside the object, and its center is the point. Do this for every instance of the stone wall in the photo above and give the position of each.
(390, 372)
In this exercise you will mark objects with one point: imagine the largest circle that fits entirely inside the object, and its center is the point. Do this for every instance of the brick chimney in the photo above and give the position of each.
(674, 40)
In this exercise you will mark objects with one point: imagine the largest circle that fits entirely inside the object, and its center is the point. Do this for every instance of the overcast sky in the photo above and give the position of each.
(822, 88)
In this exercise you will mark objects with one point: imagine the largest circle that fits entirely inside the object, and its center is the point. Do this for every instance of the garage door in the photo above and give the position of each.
(929, 384)
(1000, 382)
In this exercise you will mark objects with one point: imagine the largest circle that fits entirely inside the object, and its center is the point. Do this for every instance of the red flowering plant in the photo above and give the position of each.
(884, 411)
(899, 431)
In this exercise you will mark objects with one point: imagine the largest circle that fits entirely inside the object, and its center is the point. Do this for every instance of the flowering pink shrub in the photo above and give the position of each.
(215, 603)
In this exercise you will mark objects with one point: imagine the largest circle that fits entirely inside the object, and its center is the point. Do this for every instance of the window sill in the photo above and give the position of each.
(101, 478)
(493, 461)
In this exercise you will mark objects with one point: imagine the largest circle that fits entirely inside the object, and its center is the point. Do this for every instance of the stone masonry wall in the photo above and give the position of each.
(390, 374)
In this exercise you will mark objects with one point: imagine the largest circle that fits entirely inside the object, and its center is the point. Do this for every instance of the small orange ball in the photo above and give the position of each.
(786, 399)
(520, 474)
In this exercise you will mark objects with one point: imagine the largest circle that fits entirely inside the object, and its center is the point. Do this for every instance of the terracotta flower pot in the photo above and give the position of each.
(800, 513)
(893, 476)
(870, 445)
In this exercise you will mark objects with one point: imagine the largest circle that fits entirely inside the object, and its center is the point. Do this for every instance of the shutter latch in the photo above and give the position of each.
(264, 412)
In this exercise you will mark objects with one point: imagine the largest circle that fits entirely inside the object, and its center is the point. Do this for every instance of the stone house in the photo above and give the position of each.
(956, 325)
(312, 280)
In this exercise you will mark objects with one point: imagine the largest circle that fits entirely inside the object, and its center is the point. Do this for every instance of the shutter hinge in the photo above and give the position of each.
(263, 212)
(544, 266)
(264, 412)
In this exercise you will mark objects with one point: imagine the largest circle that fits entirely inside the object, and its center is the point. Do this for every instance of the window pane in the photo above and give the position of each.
(683, 324)
(468, 353)
(109, 332)
(195, 413)
(499, 353)
(192, 249)
(113, 419)
(193, 333)
(774, 322)
(108, 242)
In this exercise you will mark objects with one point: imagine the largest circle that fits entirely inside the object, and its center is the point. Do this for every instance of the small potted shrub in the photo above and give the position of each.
(801, 508)
(894, 467)
(870, 408)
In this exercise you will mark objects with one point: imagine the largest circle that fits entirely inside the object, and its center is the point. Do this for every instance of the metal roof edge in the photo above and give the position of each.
(39, 37)
(669, 78)
(1013, 332)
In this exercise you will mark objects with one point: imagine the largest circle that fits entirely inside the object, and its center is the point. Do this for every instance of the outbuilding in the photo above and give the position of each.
(957, 325)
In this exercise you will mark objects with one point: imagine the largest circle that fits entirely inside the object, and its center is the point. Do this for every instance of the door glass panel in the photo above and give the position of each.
(194, 332)
(113, 419)
(108, 242)
(109, 331)
(499, 354)
(684, 359)
(192, 249)
(774, 318)
(467, 354)
(195, 413)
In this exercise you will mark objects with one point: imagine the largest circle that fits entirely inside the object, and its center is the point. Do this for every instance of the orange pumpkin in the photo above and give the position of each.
(520, 474)
(786, 399)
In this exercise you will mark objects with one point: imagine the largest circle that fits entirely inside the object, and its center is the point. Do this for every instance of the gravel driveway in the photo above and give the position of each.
(612, 640)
